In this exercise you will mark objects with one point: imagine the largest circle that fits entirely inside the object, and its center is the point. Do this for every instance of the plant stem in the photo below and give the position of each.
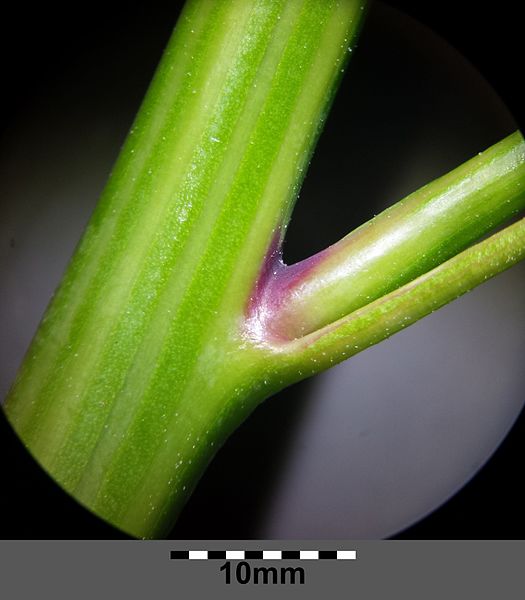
(404, 241)
(152, 350)
(135, 376)
(399, 309)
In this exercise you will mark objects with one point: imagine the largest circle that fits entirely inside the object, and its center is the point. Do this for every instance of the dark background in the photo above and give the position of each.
(44, 44)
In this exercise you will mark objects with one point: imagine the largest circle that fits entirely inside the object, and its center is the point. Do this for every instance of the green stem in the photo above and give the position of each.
(154, 347)
(124, 396)
(404, 241)
(399, 309)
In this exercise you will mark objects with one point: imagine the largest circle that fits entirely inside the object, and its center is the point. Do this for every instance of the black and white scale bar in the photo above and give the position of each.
(263, 554)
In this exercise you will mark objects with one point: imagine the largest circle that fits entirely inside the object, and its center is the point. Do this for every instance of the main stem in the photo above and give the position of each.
(137, 373)
(165, 332)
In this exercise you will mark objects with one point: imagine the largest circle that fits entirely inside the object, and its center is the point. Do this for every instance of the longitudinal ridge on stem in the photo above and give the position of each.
(137, 375)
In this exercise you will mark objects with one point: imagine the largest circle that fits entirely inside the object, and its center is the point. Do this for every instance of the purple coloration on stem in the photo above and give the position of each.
(276, 283)
(408, 239)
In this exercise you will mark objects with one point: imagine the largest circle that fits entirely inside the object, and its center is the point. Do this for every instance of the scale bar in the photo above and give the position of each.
(263, 555)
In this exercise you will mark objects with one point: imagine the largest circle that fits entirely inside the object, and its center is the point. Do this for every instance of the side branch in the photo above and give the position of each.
(405, 241)
(406, 305)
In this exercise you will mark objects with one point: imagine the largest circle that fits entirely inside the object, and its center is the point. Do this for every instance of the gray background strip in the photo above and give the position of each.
(138, 569)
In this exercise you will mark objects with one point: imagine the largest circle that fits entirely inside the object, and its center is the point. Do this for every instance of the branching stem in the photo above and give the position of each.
(170, 325)
(403, 242)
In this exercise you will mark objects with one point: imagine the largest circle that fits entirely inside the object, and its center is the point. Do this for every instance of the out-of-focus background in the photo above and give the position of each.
(371, 448)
